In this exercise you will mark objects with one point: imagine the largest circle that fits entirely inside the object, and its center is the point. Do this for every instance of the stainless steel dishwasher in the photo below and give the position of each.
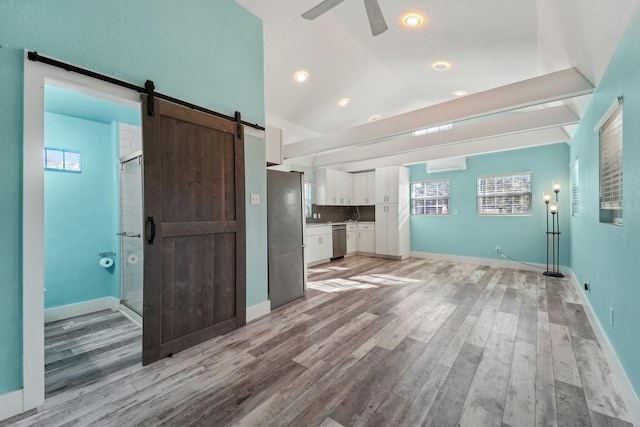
(339, 241)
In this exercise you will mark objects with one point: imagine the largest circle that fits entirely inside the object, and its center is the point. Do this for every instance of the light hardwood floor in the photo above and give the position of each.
(381, 343)
(82, 349)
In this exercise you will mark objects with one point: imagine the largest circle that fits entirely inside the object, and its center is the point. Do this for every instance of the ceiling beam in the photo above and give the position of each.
(501, 143)
(490, 128)
(535, 91)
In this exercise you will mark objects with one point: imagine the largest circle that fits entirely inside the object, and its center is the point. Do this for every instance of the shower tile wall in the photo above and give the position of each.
(131, 219)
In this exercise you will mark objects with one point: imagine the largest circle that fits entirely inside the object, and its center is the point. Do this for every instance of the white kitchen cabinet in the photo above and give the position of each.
(387, 241)
(273, 141)
(392, 213)
(334, 188)
(366, 237)
(387, 184)
(352, 239)
(319, 244)
(364, 188)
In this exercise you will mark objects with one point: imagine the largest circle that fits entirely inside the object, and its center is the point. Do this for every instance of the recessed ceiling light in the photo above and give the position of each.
(412, 20)
(301, 76)
(441, 65)
(374, 118)
(344, 102)
(460, 93)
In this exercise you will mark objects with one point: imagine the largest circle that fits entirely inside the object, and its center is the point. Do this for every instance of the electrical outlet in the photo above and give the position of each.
(319, 216)
(498, 250)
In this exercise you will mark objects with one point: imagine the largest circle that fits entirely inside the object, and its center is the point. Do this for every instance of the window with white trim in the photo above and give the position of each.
(575, 187)
(610, 141)
(430, 197)
(504, 194)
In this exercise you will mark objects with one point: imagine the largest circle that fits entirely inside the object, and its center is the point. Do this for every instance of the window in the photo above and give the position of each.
(430, 197)
(504, 194)
(575, 188)
(62, 160)
(307, 199)
(610, 140)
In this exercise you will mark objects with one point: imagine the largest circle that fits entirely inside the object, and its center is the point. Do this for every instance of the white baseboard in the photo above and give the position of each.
(496, 263)
(130, 314)
(258, 310)
(631, 399)
(11, 404)
(72, 310)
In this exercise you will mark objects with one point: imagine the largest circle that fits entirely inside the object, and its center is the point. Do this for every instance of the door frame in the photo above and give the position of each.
(36, 76)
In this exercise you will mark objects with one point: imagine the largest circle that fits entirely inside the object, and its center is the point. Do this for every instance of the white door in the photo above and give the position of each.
(370, 197)
(381, 185)
(393, 238)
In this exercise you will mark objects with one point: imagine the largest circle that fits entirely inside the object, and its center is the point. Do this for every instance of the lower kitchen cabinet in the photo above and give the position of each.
(366, 237)
(352, 239)
(319, 244)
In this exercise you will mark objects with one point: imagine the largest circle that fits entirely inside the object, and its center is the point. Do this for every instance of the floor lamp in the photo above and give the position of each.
(553, 236)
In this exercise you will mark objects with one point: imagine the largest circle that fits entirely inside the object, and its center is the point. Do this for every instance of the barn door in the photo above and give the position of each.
(194, 258)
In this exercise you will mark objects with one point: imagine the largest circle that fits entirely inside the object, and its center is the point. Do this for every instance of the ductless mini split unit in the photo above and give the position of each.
(447, 165)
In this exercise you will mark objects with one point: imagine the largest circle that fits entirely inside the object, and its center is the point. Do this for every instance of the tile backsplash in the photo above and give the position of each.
(342, 213)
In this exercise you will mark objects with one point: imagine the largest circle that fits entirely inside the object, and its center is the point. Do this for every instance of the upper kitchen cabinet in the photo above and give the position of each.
(273, 140)
(387, 184)
(364, 188)
(334, 188)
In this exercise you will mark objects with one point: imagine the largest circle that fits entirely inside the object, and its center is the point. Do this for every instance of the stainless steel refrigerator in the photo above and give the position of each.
(286, 236)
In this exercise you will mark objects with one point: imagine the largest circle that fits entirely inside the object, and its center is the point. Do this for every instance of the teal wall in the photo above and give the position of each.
(256, 179)
(207, 52)
(11, 105)
(604, 253)
(81, 214)
(468, 234)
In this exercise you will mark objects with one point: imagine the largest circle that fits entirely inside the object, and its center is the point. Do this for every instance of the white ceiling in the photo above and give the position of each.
(489, 44)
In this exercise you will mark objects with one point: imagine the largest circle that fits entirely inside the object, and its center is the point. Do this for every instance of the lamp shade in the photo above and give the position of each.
(553, 209)
(556, 186)
(546, 197)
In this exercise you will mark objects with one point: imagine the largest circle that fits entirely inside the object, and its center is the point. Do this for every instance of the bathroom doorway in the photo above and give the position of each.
(92, 236)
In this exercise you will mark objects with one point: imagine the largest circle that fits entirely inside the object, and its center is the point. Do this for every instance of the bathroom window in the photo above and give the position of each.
(504, 194)
(62, 160)
(430, 197)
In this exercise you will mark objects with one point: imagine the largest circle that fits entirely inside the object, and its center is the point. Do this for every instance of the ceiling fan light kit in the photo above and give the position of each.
(374, 14)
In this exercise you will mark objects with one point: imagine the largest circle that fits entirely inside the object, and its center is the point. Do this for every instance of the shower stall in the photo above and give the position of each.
(131, 232)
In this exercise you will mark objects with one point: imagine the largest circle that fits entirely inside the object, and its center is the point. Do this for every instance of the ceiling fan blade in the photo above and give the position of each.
(321, 8)
(376, 19)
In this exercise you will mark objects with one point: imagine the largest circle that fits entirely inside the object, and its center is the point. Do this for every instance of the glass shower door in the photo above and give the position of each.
(131, 232)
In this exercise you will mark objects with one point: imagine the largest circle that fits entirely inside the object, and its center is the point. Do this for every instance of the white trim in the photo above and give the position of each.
(607, 115)
(36, 75)
(33, 238)
(86, 307)
(11, 404)
(130, 314)
(496, 263)
(257, 133)
(631, 399)
(258, 310)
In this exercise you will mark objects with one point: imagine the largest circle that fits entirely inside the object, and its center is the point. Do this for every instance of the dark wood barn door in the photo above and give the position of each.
(194, 269)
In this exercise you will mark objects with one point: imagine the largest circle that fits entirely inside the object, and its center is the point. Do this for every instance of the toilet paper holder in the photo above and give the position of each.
(106, 254)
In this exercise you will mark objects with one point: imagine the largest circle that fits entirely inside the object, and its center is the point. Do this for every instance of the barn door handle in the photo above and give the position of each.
(152, 229)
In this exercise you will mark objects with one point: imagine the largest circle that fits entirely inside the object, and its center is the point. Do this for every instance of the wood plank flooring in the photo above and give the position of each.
(381, 343)
(85, 348)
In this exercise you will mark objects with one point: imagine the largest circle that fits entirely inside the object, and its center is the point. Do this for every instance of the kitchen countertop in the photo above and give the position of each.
(320, 224)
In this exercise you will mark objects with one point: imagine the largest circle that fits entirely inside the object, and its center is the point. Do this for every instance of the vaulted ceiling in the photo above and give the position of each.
(512, 58)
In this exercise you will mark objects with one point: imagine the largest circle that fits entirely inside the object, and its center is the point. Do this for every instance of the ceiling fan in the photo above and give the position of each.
(374, 13)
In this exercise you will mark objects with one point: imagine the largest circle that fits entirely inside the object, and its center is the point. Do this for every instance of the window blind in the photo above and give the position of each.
(504, 194)
(430, 197)
(611, 163)
(575, 187)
